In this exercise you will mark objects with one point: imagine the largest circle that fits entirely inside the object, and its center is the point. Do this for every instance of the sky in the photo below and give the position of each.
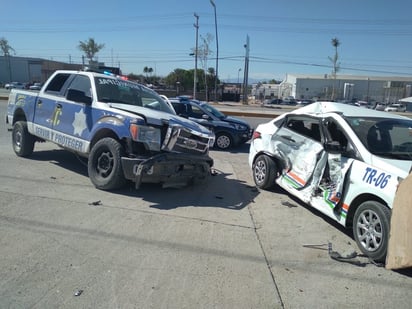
(285, 37)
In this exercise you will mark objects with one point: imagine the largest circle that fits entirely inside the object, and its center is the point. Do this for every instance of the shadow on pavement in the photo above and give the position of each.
(219, 190)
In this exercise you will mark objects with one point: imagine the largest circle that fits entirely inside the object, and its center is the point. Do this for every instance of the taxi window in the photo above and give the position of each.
(308, 127)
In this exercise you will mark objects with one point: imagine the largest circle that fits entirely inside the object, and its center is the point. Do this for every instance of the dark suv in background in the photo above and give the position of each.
(229, 131)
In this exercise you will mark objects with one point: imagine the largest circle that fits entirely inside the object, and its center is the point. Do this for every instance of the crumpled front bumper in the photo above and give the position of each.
(167, 168)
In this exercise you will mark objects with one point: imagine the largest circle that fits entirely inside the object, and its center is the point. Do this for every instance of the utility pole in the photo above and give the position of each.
(217, 50)
(196, 25)
(246, 71)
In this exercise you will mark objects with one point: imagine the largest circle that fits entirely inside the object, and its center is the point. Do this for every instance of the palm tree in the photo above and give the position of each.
(147, 71)
(90, 48)
(336, 66)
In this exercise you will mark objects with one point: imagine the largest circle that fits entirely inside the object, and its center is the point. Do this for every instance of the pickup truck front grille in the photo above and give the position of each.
(180, 139)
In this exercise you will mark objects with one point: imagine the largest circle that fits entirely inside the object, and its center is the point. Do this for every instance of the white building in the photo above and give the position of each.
(386, 89)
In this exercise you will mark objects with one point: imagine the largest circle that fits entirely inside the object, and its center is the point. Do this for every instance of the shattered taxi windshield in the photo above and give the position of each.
(125, 92)
(389, 138)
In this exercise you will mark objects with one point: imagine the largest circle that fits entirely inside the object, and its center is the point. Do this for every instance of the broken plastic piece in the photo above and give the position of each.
(78, 293)
(96, 203)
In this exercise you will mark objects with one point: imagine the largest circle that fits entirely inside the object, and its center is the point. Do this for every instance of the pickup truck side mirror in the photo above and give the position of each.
(78, 96)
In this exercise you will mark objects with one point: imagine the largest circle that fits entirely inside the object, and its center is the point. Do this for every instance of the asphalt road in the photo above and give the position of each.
(220, 244)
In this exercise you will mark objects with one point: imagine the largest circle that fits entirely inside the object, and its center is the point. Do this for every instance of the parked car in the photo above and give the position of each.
(289, 101)
(14, 85)
(35, 86)
(304, 102)
(363, 104)
(397, 107)
(344, 163)
(380, 106)
(229, 131)
(273, 101)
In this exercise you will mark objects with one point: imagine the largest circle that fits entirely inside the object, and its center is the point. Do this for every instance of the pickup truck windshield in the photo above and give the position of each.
(112, 90)
(389, 138)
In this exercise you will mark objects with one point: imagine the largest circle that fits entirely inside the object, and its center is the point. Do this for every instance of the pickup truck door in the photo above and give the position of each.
(75, 114)
(48, 108)
(45, 113)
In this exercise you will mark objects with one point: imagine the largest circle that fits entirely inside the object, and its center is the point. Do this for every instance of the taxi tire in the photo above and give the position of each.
(264, 172)
(223, 141)
(23, 141)
(364, 232)
(105, 166)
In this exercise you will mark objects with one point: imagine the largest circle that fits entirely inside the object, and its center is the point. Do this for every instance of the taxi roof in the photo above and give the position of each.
(347, 110)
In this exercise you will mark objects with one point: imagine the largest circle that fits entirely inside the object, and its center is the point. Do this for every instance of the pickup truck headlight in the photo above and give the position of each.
(148, 135)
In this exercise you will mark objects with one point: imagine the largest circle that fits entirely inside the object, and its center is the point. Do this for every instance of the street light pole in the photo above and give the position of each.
(196, 48)
(238, 86)
(246, 71)
(217, 50)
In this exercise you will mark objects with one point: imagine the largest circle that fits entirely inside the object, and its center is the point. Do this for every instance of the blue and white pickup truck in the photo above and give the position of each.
(125, 130)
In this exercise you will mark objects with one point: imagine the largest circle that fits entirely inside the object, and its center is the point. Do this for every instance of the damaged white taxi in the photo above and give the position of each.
(345, 161)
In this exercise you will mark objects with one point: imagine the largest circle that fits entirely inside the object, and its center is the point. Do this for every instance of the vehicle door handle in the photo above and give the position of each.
(287, 137)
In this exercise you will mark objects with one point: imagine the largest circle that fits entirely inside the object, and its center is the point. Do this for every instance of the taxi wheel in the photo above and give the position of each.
(105, 166)
(264, 172)
(23, 141)
(371, 225)
(223, 141)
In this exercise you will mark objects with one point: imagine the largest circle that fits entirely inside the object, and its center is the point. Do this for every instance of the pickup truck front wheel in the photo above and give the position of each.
(23, 141)
(104, 165)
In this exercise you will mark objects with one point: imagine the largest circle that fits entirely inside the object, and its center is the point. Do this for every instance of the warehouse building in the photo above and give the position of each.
(29, 70)
(350, 88)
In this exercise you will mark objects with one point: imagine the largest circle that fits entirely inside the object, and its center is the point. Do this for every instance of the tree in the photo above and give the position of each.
(6, 49)
(203, 53)
(148, 71)
(336, 66)
(90, 48)
(180, 77)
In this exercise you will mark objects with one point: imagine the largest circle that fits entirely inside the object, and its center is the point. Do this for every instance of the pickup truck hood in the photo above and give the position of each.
(157, 118)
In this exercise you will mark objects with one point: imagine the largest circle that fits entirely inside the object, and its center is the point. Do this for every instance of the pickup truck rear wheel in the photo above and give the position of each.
(105, 166)
(23, 141)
